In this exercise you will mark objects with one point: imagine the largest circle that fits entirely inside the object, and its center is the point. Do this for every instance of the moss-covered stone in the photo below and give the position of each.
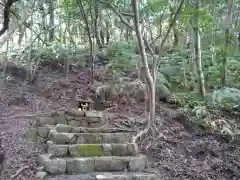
(89, 150)
(86, 150)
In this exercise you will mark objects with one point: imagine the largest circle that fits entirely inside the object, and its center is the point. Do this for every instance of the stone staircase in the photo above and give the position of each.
(78, 145)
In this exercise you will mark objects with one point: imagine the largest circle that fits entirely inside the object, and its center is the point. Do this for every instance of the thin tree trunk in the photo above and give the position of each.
(172, 8)
(90, 65)
(227, 42)
(51, 19)
(149, 77)
(95, 20)
(197, 52)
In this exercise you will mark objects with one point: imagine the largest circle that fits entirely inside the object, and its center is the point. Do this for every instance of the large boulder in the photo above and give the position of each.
(227, 99)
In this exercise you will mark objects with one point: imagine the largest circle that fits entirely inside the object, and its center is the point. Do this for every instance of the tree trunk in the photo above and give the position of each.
(197, 51)
(149, 77)
(96, 9)
(172, 7)
(22, 30)
(51, 19)
(90, 64)
(227, 42)
(107, 32)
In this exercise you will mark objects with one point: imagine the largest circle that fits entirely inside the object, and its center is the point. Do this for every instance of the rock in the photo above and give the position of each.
(77, 130)
(31, 134)
(137, 163)
(49, 143)
(107, 149)
(129, 149)
(108, 163)
(40, 175)
(75, 123)
(63, 128)
(53, 166)
(58, 150)
(80, 165)
(75, 113)
(87, 150)
(69, 118)
(118, 163)
(40, 168)
(116, 137)
(94, 138)
(94, 116)
(96, 124)
(227, 99)
(41, 121)
(44, 131)
(60, 119)
(125, 176)
(89, 138)
(61, 112)
(51, 132)
(63, 138)
(40, 139)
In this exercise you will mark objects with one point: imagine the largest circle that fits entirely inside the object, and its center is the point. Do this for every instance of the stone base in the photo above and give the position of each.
(108, 176)
(80, 165)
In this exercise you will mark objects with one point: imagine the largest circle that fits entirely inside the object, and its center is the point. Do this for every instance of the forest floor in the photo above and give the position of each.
(179, 154)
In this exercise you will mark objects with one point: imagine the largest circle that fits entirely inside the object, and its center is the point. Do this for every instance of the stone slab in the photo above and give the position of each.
(74, 129)
(54, 165)
(89, 138)
(108, 176)
(90, 150)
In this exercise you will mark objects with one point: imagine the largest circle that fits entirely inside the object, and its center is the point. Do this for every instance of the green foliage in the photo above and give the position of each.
(122, 55)
(204, 17)
(172, 68)
(154, 6)
(54, 52)
(189, 100)
(233, 67)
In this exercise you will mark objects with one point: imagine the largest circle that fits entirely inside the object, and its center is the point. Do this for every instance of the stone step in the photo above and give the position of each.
(89, 150)
(73, 117)
(43, 131)
(109, 176)
(72, 129)
(88, 138)
(69, 165)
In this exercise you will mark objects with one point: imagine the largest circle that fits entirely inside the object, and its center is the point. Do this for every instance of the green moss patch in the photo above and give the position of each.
(88, 150)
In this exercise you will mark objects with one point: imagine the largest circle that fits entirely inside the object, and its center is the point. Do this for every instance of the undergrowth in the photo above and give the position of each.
(175, 78)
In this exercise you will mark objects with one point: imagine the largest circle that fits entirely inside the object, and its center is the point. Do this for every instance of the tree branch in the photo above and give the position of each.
(123, 20)
(29, 12)
(170, 26)
(168, 32)
(127, 14)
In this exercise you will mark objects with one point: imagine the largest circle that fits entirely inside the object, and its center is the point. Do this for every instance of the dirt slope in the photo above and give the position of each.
(177, 155)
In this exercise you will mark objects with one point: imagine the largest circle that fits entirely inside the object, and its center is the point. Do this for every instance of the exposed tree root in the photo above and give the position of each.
(19, 172)
(140, 134)
(150, 128)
